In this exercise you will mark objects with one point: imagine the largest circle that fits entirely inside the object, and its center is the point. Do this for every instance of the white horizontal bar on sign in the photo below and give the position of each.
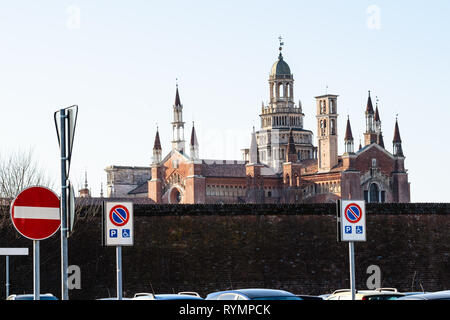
(36, 213)
(13, 251)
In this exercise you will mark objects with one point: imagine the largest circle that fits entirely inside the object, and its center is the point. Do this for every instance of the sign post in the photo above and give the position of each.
(11, 252)
(35, 213)
(36, 274)
(351, 220)
(65, 122)
(118, 231)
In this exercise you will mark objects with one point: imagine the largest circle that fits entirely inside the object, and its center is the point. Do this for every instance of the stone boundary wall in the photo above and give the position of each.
(206, 248)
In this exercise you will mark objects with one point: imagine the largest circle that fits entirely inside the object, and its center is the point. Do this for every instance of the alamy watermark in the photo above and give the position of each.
(374, 280)
(73, 21)
(74, 277)
(373, 17)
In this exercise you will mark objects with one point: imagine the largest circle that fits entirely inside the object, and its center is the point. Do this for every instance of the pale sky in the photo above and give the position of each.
(119, 60)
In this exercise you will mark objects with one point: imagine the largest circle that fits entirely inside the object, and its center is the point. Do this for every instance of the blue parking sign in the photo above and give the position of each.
(118, 220)
(348, 229)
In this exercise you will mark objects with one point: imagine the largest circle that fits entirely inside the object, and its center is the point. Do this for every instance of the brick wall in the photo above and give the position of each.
(214, 247)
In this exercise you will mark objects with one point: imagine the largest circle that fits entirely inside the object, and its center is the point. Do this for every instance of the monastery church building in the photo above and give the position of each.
(282, 164)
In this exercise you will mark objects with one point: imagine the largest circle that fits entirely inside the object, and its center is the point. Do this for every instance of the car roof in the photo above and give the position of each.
(366, 292)
(46, 296)
(176, 297)
(439, 295)
(256, 293)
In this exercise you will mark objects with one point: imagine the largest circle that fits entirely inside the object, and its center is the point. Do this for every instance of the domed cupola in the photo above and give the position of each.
(280, 68)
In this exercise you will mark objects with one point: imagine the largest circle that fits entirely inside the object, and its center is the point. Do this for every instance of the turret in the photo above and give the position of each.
(348, 139)
(397, 141)
(157, 150)
(193, 145)
(178, 142)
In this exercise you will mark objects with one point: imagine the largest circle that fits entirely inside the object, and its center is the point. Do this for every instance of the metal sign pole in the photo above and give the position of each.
(36, 282)
(64, 256)
(11, 252)
(119, 271)
(7, 276)
(351, 246)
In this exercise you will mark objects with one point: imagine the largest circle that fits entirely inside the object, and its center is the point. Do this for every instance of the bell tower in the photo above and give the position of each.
(327, 153)
(278, 116)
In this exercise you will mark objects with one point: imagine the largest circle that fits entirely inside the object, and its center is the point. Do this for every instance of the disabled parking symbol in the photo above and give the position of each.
(359, 229)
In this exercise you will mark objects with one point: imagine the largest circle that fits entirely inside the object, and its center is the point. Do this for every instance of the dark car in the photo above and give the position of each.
(439, 295)
(252, 294)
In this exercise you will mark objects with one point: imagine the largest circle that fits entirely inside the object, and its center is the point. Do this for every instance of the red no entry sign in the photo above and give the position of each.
(35, 213)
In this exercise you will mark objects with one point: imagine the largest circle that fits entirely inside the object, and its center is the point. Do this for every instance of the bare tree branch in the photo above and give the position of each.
(19, 170)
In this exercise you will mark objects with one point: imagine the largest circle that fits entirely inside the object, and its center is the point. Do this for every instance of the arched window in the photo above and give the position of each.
(332, 106)
(281, 88)
(333, 126)
(374, 193)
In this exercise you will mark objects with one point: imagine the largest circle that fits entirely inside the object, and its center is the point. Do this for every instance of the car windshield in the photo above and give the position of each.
(277, 298)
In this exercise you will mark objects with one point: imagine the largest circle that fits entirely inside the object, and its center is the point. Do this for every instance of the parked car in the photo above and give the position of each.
(325, 296)
(439, 295)
(252, 294)
(307, 297)
(43, 296)
(377, 294)
(179, 296)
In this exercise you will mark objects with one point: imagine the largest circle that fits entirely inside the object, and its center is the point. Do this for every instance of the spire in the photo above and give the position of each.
(85, 192)
(194, 141)
(177, 98)
(348, 139)
(377, 115)
(348, 131)
(85, 179)
(397, 138)
(157, 145)
(178, 143)
(397, 141)
(369, 108)
(157, 150)
(193, 144)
